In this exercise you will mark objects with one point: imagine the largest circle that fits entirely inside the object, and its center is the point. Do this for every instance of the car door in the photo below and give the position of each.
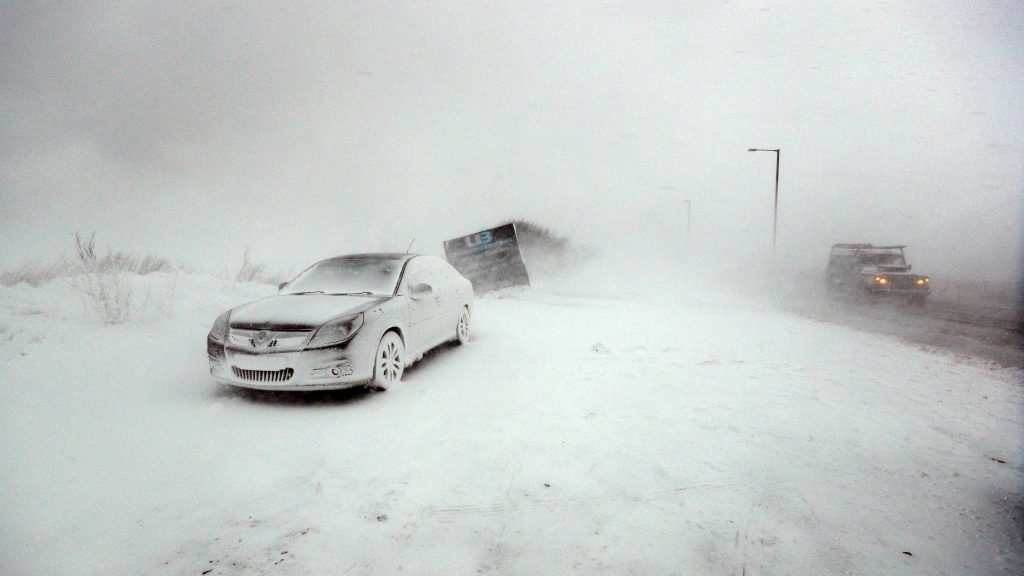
(452, 298)
(423, 306)
(445, 297)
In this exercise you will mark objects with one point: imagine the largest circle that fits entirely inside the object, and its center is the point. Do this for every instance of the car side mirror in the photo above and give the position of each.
(420, 290)
(281, 285)
(910, 267)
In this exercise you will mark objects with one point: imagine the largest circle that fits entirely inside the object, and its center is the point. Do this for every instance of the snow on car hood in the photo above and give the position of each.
(298, 310)
(888, 270)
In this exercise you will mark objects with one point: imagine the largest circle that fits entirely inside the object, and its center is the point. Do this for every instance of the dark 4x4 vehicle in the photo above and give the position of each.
(874, 271)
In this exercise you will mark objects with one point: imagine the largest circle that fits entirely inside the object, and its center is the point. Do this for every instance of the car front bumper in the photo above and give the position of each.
(343, 366)
(897, 291)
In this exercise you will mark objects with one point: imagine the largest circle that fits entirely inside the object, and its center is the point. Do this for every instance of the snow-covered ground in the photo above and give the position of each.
(701, 434)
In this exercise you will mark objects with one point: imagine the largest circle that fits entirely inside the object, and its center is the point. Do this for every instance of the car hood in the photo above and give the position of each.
(887, 270)
(298, 311)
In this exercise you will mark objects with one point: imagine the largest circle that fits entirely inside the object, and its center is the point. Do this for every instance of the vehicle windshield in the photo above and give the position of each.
(348, 276)
(882, 259)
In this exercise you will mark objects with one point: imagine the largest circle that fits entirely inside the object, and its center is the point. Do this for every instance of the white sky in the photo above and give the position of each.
(197, 130)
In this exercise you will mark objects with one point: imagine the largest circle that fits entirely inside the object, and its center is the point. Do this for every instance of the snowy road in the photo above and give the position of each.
(971, 325)
(573, 435)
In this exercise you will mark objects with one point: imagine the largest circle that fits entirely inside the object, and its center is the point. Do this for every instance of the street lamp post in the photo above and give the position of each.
(687, 202)
(775, 211)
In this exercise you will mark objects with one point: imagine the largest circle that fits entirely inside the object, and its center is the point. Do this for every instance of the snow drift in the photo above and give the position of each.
(686, 433)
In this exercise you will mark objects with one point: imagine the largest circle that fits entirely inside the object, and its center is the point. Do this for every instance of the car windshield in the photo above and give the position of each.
(347, 276)
(882, 259)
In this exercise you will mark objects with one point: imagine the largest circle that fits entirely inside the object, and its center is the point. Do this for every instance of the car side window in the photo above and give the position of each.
(451, 277)
(415, 273)
(434, 270)
(449, 273)
(438, 268)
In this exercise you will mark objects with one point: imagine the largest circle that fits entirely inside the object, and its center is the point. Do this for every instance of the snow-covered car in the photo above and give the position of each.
(343, 322)
(874, 271)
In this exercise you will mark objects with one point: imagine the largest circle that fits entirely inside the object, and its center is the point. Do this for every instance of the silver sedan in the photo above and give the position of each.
(343, 322)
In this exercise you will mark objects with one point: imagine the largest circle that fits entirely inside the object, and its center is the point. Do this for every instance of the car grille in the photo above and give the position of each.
(905, 283)
(263, 375)
(274, 341)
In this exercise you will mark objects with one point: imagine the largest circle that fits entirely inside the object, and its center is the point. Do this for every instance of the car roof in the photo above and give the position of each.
(856, 249)
(866, 247)
(402, 256)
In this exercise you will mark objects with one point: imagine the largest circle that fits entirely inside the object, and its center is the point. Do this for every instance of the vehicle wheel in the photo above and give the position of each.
(389, 362)
(462, 329)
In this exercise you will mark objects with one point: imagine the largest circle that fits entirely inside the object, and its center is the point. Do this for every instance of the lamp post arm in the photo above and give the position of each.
(775, 212)
(775, 208)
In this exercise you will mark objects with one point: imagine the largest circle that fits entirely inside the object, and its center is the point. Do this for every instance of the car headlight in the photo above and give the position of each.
(881, 280)
(336, 331)
(219, 332)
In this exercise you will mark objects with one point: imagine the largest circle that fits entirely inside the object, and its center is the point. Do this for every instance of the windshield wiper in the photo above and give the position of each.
(351, 294)
(309, 292)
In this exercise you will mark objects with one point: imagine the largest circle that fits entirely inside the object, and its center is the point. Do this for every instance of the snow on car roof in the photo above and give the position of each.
(376, 256)
(858, 248)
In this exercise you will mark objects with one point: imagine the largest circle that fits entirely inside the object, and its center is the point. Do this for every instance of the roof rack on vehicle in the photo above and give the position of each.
(867, 246)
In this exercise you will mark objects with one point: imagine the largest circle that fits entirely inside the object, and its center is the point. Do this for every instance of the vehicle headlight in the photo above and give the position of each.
(881, 280)
(336, 331)
(219, 332)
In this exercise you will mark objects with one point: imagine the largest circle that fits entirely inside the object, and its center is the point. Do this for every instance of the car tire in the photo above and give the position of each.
(462, 328)
(388, 362)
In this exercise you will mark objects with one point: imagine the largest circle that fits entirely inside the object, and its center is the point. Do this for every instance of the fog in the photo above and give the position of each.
(196, 131)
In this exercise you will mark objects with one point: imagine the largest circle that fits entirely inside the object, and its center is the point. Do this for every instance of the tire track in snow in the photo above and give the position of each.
(454, 513)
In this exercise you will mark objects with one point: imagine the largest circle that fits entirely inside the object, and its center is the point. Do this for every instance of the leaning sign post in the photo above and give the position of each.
(490, 259)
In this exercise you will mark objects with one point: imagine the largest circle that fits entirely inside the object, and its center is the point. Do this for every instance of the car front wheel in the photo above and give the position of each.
(462, 328)
(389, 362)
